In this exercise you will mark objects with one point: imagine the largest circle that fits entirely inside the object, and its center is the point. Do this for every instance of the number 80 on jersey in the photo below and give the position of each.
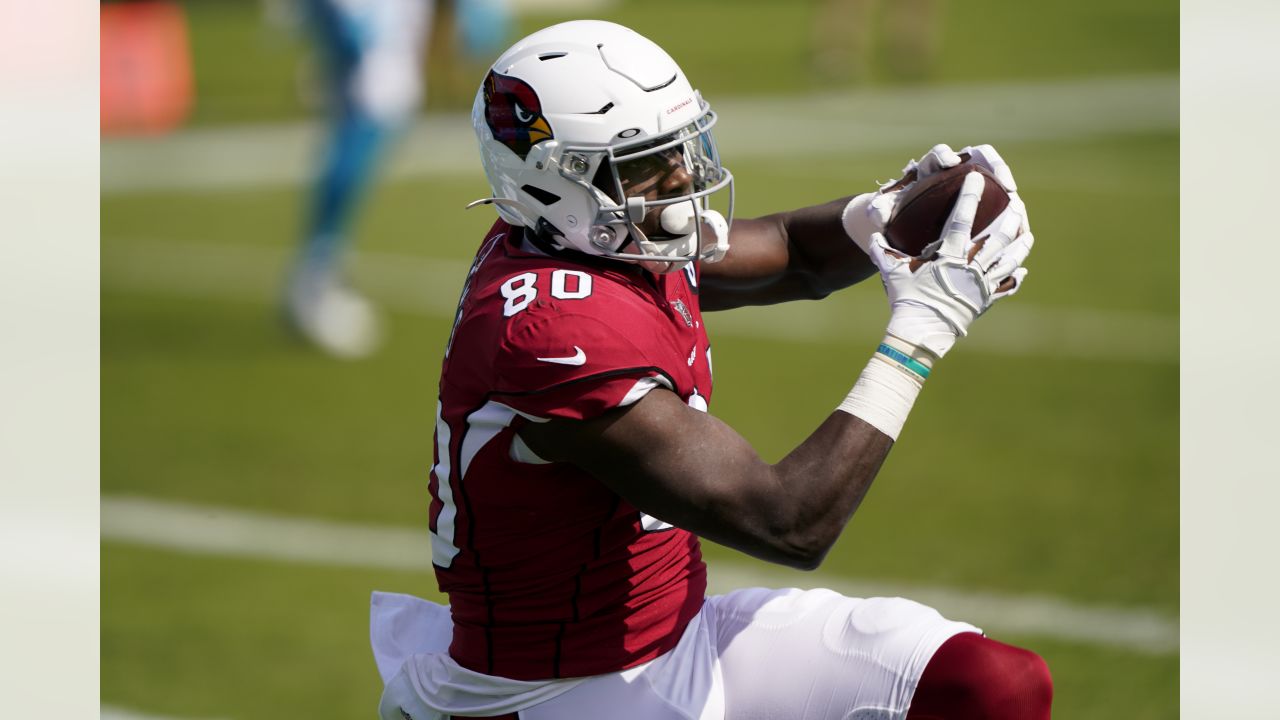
(521, 290)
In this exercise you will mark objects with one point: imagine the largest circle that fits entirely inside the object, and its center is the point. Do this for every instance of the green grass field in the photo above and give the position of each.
(1020, 473)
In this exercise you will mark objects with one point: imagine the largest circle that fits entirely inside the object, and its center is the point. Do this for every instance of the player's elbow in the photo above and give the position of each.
(807, 561)
(802, 558)
(766, 521)
(772, 538)
(805, 549)
(796, 536)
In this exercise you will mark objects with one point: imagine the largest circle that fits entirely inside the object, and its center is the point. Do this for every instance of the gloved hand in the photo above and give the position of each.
(987, 157)
(933, 302)
(868, 213)
(939, 157)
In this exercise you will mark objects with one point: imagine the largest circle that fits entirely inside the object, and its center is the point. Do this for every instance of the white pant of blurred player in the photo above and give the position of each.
(372, 52)
(750, 654)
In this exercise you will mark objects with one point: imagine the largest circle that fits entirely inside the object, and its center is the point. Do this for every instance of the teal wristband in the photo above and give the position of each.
(906, 361)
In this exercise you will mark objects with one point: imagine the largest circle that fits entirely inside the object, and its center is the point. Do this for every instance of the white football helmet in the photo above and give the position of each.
(591, 135)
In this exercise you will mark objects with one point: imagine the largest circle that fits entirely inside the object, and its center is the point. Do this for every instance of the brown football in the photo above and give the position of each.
(923, 210)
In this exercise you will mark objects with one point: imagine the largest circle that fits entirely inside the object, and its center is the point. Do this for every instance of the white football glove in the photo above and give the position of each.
(868, 213)
(939, 157)
(987, 157)
(934, 303)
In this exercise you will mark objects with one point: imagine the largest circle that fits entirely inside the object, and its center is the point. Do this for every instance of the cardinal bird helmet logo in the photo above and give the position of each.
(514, 113)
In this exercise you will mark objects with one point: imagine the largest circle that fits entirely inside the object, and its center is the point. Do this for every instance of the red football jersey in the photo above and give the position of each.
(549, 573)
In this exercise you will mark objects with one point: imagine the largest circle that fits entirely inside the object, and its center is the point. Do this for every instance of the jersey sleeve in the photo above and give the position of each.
(575, 365)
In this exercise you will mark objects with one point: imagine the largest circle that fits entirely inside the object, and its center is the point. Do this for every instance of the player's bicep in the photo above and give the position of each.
(670, 461)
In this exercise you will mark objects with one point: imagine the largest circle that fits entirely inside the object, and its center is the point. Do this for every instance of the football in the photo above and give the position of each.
(923, 209)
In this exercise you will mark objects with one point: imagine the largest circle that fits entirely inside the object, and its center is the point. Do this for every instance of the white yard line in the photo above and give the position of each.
(429, 287)
(222, 531)
(110, 712)
(856, 122)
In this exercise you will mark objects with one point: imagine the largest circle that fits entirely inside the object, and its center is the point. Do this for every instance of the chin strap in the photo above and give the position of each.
(699, 236)
(684, 220)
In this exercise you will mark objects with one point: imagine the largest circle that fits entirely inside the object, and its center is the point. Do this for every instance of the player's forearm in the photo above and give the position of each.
(821, 250)
(803, 254)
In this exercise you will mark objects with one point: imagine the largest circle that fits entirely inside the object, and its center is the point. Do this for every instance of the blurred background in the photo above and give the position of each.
(255, 488)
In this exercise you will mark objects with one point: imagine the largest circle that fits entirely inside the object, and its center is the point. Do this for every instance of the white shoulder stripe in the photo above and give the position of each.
(443, 549)
(642, 388)
(522, 453)
(482, 426)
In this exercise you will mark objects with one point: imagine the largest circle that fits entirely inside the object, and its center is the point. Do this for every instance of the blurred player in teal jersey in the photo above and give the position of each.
(373, 53)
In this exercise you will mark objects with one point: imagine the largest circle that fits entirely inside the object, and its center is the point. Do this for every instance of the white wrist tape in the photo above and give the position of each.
(887, 388)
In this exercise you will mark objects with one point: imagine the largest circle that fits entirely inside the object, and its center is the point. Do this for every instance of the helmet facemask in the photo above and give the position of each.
(653, 196)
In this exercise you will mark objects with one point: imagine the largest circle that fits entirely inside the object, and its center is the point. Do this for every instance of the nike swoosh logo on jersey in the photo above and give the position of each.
(580, 358)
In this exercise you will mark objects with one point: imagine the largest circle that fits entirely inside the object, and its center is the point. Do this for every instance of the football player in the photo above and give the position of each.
(577, 466)
(373, 52)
